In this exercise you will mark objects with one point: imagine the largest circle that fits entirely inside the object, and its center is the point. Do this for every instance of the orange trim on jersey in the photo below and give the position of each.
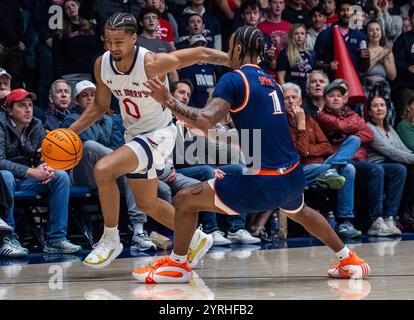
(250, 65)
(274, 172)
(246, 94)
(226, 209)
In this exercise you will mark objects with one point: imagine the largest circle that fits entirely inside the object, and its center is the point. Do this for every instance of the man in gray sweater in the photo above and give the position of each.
(21, 136)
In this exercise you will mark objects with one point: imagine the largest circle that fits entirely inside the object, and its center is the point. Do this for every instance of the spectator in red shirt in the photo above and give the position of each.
(170, 18)
(330, 10)
(380, 181)
(277, 29)
(165, 30)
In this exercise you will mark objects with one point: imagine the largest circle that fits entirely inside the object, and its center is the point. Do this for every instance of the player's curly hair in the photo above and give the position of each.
(121, 20)
(251, 41)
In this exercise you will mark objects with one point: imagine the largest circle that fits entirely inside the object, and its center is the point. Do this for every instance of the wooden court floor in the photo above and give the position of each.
(292, 273)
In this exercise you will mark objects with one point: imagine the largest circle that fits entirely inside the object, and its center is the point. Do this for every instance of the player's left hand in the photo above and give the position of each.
(158, 91)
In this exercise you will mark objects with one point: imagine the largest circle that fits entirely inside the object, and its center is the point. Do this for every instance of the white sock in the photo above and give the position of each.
(195, 238)
(138, 228)
(112, 233)
(177, 258)
(343, 254)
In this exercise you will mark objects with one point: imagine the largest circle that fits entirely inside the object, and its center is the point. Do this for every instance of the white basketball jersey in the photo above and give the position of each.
(141, 114)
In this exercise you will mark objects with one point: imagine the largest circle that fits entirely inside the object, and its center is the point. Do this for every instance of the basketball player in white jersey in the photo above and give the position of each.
(150, 134)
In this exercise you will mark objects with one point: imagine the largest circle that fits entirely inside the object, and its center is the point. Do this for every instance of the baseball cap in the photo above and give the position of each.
(4, 72)
(19, 95)
(80, 86)
(339, 84)
(197, 38)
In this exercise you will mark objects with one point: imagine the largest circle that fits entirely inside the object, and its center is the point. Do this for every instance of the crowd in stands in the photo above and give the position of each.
(365, 150)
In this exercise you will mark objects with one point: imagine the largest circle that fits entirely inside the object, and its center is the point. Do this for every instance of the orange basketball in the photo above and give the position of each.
(62, 149)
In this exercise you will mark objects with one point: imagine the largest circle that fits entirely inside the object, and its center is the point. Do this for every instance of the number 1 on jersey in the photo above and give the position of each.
(276, 102)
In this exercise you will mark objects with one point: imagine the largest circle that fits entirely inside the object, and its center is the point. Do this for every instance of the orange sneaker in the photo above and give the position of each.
(352, 267)
(164, 270)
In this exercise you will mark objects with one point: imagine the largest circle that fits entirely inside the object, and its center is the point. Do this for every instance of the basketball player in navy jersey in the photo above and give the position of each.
(255, 101)
(149, 131)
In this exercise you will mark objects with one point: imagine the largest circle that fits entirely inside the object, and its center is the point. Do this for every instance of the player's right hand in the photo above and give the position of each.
(158, 91)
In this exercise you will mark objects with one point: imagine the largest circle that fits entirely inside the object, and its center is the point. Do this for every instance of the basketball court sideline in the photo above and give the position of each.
(240, 273)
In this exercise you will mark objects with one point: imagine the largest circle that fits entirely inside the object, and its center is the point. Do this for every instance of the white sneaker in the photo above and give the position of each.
(199, 246)
(392, 225)
(242, 236)
(219, 239)
(379, 228)
(103, 253)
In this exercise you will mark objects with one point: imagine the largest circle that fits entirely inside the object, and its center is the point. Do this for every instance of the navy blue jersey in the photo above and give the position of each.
(257, 103)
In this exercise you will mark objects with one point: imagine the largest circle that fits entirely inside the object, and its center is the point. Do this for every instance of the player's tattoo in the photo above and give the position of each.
(182, 110)
(216, 59)
(205, 118)
(197, 189)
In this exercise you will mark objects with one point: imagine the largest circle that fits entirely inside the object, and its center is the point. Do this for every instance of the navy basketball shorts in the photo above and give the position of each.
(236, 194)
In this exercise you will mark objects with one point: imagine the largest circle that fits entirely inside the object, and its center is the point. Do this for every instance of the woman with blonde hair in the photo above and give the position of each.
(296, 62)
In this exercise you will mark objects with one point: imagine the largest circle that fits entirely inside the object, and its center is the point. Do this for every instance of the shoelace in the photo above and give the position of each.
(151, 263)
(102, 246)
(337, 265)
(154, 267)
